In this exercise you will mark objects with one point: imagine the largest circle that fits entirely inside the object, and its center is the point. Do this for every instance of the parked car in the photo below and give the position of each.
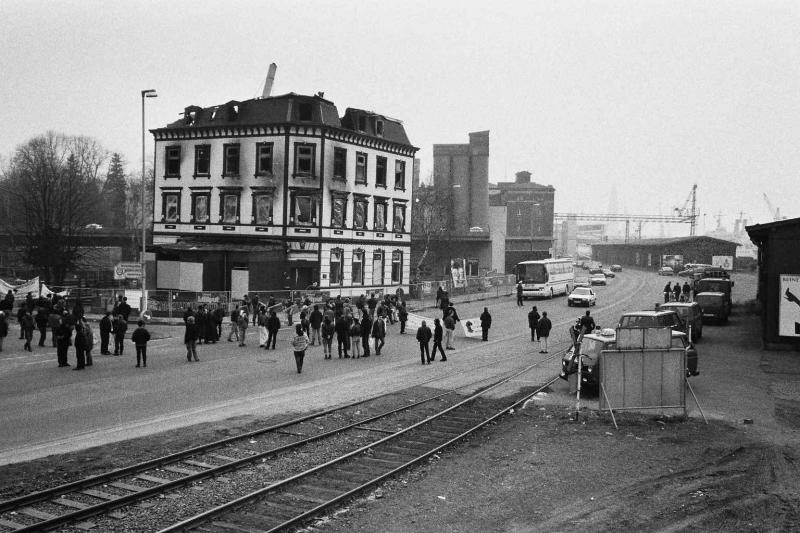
(597, 279)
(666, 271)
(651, 319)
(592, 346)
(714, 305)
(595, 270)
(582, 282)
(581, 296)
(690, 314)
(616, 268)
(608, 273)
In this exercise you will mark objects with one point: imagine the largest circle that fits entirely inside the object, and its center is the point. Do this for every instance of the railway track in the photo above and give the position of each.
(58, 506)
(295, 499)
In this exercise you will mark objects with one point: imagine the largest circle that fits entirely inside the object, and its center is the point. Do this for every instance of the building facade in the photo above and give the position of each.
(529, 218)
(655, 253)
(281, 193)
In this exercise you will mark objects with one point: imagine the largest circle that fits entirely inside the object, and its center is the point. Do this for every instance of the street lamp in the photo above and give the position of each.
(147, 93)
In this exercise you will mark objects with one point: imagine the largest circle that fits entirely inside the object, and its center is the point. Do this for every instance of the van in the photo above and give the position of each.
(715, 285)
(714, 305)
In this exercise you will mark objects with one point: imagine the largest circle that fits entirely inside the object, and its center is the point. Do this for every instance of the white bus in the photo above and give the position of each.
(545, 278)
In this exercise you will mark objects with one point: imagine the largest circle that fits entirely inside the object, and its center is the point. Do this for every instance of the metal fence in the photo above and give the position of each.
(423, 293)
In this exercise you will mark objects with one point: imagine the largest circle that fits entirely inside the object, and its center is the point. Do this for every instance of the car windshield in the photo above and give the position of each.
(683, 312)
(711, 286)
(582, 290)
(592, 347)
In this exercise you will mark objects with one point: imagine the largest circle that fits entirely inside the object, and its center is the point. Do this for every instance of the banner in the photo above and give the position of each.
(472, 328)
(31, 286)
(458, 273)
(789, 306)
(415, 321)
(46, 290)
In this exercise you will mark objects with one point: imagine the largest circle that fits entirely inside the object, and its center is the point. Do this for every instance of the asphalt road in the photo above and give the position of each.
(45, 409)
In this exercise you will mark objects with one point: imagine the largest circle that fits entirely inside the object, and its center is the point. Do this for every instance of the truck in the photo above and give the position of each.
(723, 285)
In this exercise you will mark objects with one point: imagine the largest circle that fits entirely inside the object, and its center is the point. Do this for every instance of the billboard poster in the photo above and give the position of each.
(458, 272)
(722, 261)
(673, 261)
(789, 306)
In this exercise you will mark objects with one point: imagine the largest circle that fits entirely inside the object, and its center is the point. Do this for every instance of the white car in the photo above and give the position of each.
(597, 279)
(582, 296)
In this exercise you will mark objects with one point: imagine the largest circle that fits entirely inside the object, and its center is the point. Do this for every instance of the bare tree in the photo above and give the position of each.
(53, 186)
(431, 225)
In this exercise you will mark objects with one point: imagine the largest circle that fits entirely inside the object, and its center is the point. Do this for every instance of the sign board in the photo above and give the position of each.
(127, 270)
(789, 306)
(472, 328)
(458, 272)
(673, 261)
(722, 261)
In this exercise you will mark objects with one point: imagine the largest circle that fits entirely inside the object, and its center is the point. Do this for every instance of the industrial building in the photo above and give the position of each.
(655, 253)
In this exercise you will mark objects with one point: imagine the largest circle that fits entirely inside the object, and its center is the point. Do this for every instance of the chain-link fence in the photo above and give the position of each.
(424, 293)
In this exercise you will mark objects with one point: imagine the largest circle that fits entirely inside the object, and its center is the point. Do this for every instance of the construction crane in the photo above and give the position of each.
(689, 210)
(774, 211)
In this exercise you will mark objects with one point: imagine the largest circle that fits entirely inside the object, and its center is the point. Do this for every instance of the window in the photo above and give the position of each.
(231, 160)
(304, 159)
(202, 160)
(304, 210)
(200, 207)
(399, 218)
(362, 123)
(379, 127)
(472, 267)
(338, 211)
(263, 159)
(172, 163)
(340, 164)
(304, 112)
(229, 207)
(380, 171)
(361, 167)
(380, 216)
(400, 175)
(377, 268)
(171, 206)
(397, 267)
(360, 213)
(336, 266)
(358, 267)
(262, 209)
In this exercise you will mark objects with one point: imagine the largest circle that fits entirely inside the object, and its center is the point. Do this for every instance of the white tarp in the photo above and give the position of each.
(471, 328)
(21, 289)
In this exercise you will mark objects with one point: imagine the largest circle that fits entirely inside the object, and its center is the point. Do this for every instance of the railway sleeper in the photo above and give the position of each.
(276, 508)
(35, 513)
(337, 482)
(153, 479)
(10, 524)
(229, 526)
(353, 474)
(94, 493)
(306, 500)
(257, 520)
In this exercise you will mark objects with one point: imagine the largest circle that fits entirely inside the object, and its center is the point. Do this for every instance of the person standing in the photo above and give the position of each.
(234, 324)
(3, 329)
(89, 334)
(449, 331)
(438, 333)
(27, 326)
(80, 346)
(20, 316)
(327, 336)
(439, 294)
(120, 326)
(190, 339)
(241, 323)
(667, 292)
(519, 294)
(676, 290)
(7, 305)
(402, 314)
(256, 309)
(53, 321)
(372, 303)
(686, 292)
(63, 340)
(355, 339)
(261, 322)
(315, 320)
(366, 331)
(543, 330)
(379, 333)
(533, 322)
(486, 323)
(124, 309)
(140, 336)
(105, 333)
(41, 323)
(342, 330)
(299, 345)
(273, 326)
(424, 337)
(587, 323)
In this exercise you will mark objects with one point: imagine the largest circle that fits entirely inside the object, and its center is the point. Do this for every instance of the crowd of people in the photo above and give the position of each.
(677, 293)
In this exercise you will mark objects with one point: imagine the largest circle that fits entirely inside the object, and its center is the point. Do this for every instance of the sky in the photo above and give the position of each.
(620, 105)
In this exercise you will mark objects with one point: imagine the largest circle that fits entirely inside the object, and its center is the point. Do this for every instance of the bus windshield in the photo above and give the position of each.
(532, 273)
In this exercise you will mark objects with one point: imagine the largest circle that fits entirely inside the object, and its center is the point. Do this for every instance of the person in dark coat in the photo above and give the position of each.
(273, 326)
(676, 291)
(140, 336)
(366, 330)
(402, 315)
(543, 330)
(20, 316)
(486, 323)
(53, 321)
(27, 326)
(63, 340)
(315, 320)
(424, 337)
(667, 291)
(105, 333)
(519, 294)
(7, 305)
(587, 323)
(89, 334)
(120, 327)
(218, 316)
(201, 322)
(342, 336)
(234, 324)
(379, 334)
(190, 339)
(41, 323)
(444, 303)
(187, 313)
(327, 336)
(439, 294)
(80, 346)
(533, 322)
(438, 335)
(3, 328)
(686, 292)
(124, 309)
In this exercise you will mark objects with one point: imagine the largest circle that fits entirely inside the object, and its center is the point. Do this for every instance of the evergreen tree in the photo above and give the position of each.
(115, 193)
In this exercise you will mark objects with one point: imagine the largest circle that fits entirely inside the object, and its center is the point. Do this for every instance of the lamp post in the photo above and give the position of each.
(147, 93)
